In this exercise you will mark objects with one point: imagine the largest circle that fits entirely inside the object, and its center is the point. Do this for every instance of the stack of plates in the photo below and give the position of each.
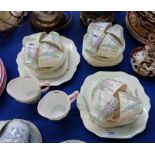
(141, 25)
(3, 77)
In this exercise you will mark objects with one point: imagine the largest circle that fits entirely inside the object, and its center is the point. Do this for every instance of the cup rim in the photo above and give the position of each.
(29, 99)
(43, 113)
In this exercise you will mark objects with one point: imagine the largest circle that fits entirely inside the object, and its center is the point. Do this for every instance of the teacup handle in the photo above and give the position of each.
(73, 96)
(46, 85)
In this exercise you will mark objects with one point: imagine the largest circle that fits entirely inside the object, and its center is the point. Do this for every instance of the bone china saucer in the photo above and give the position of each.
(121, 132)
(74, 60)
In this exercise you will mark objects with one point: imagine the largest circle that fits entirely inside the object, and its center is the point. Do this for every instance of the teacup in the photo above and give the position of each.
(56, 104)
(26, 89)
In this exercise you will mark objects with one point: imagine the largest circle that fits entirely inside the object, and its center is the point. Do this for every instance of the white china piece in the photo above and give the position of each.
(26, 89)
(113, 105)
(19, 131)
(103, 44)
(56, 104)
(73, 141)
(48, 57)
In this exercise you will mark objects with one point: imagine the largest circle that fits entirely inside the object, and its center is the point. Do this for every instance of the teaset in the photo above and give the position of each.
(103, 44)
(45, 60)
(110, 105)
(55, 105)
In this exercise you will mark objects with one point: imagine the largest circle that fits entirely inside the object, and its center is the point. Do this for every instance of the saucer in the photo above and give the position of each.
(122, 132)
(103, 44)
(97, 62)
(45, 74)
(74, 60)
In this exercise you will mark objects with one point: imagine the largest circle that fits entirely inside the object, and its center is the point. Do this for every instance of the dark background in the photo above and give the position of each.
(70, 127)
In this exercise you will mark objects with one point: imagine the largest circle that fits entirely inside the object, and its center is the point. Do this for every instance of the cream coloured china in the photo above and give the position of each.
(134, 127)
(111, 103)
(103, 44)
(48, 73)
(26, 89)
(97, 62)
(41, 54)
(56, 104)
(56, 75)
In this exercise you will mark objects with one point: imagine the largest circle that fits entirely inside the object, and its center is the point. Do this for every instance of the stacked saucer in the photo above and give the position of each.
(103, 44)
(141, 25)
(3, 77)
(48, 57)
(111, 106)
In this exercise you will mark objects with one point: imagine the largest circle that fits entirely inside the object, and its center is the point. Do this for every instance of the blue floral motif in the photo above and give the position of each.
(15, 135)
